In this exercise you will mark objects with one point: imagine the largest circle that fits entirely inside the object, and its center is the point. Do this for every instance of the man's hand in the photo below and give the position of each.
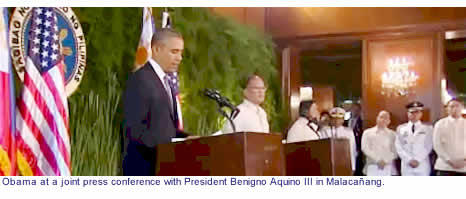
(457, 164)
(413, 163)
(381, 164)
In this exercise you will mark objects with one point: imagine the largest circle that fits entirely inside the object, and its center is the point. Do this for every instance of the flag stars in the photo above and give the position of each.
(55, 47)
(37, 31)
(55, 50)
(45, 38)
(45, 44)
(47, 24)
(38, 11)
(44, 63)
(54, 56)
(35, 50)
(45, 53)
(38, 21)
(36, 40)
(48, 13)
(46, 33)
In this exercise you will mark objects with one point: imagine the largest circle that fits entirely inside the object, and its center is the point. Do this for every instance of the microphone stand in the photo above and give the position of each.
(221, 111)
(222, 102)
(332, 130)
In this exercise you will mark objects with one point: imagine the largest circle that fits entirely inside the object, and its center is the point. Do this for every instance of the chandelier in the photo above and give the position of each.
(399, 80)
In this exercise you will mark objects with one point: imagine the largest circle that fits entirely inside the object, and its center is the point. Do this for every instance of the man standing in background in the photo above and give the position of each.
(450, 141)
(378, 144)
(251, 116)
(414, 143)
(355, 123)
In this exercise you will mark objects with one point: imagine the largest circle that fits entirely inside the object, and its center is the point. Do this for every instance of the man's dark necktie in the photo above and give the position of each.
(172, 100)
(412, 128)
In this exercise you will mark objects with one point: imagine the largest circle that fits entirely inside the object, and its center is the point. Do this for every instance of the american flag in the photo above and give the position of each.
(174, 84)
(42, 114)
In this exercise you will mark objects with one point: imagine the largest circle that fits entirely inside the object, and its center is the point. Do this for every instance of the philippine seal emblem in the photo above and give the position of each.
(72, 43)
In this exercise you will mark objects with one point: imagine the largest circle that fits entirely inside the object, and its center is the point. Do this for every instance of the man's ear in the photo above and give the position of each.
(155, 49)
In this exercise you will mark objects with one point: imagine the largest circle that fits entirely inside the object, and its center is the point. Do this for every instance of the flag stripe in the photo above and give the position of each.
(47, 116)
(27, 152)
(63, 114)
(30, 125)
(50, 103)
(52, 79)
(57, 77)
(46, 125)
(34, 141)
(53, 90)
(45, 92)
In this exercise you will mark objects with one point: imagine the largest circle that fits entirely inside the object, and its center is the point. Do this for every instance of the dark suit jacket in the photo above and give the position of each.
(148, 121)
(357, 130)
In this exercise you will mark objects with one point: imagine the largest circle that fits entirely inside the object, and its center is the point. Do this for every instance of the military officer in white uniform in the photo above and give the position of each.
(413, 143)
(251, 116)
(305, 128)
(337, 130)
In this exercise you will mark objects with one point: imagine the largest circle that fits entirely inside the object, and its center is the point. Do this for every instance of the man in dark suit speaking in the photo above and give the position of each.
(149, 106)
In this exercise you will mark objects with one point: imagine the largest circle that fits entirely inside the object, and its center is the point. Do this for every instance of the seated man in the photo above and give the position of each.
(251, 116)
(305, 127)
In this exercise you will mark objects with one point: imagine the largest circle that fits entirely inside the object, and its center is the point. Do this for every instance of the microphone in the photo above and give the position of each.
(222, 101)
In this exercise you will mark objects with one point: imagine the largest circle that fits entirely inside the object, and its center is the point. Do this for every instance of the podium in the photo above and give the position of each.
(326, 157)
(236, 154)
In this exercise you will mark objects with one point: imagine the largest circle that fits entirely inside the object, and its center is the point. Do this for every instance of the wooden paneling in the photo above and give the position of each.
(302, 22)
(236, 154)
(250, 16)
(426, 53)
(325, 157)
(237, 13)
(291, 80)
(256, 17)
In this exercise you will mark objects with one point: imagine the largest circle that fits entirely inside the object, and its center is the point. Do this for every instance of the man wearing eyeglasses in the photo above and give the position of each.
(251, 116)
(413, 143)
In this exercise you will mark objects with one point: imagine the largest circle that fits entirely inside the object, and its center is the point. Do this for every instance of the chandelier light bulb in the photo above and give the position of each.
(398, 80)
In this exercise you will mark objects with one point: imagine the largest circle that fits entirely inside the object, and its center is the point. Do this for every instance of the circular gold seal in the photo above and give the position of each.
(72, 43)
